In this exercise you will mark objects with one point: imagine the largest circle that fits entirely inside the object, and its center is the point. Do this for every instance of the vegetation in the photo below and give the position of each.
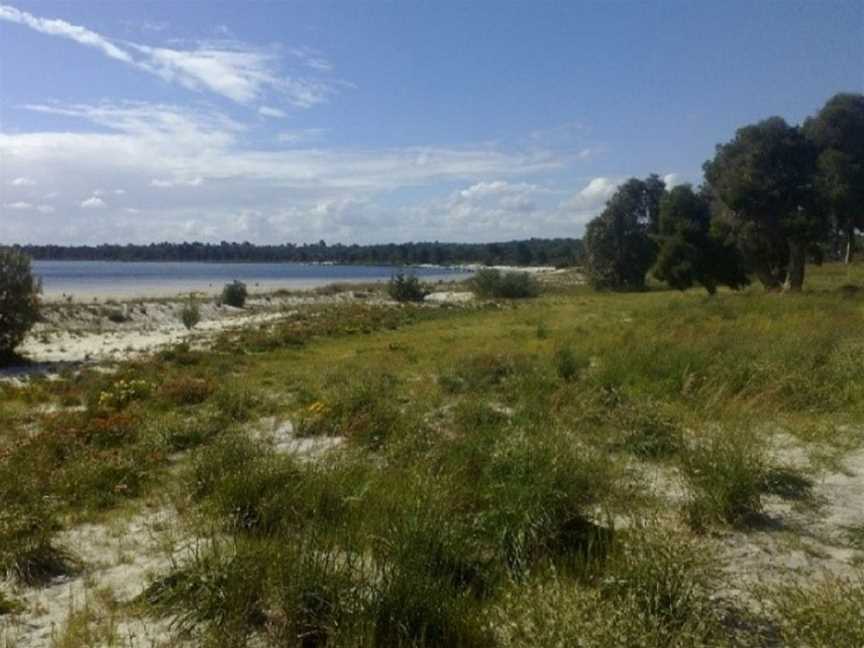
(775, 195)
(494, 284)
(190, 314)
(619, 249)
(489, 487)
(838, 133)
(690, 253)
(405, 288)
(19, 299)
(235, 294)
(558, 251)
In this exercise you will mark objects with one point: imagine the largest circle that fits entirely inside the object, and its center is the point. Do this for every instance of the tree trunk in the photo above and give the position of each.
(797, 261)
(850, 243)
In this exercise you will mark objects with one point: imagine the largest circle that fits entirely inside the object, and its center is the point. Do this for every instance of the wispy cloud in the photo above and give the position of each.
(193, 173)
(23, 182)
(234, 70)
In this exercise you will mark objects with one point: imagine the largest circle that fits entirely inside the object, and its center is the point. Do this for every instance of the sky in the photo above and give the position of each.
(362, 122)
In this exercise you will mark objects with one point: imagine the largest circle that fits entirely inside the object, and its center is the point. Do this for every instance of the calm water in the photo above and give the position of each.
(115, 279)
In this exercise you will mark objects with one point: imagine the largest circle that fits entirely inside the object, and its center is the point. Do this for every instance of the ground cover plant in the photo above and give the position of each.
(491, 485)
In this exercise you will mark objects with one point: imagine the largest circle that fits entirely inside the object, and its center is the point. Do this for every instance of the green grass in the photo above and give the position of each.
(489, 490)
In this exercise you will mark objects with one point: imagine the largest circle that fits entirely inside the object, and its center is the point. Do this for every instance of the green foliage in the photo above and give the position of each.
(19, 299)
(190, 314)
(838, 132)
(726, 473)
(689, 253)
(568, 364)
(618, 247)
(9, 605)
(765, 177)
(27, 549)
(655, 594)
(405, 288)
(361, 406)
(235, 294)
(494, 284)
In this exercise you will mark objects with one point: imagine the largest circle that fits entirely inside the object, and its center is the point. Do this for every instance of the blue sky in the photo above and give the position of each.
(383, 121)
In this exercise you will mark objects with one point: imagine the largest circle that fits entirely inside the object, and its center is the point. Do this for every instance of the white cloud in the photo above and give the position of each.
(288, 194)
(672, 179)
(64, 29)
(268, 111)
(119, 192)
(234, 70)
(23, 182)
(177, 182)
(93, 202)
(45, 209)
(18, 205)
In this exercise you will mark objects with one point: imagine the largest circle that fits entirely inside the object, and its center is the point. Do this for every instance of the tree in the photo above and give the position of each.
(19, 299)
(618, 248)
(690, 253)
(838, 131)
(765, 176)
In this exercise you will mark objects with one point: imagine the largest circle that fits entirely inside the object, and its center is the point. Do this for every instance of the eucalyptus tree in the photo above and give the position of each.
(766, 178)
(690, 252)
(619, 249)
(838, 132)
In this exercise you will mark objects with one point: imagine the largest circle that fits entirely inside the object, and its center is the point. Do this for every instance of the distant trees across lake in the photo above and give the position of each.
(558, 252)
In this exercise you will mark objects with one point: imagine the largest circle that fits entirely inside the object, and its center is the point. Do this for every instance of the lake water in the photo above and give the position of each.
(114, 279)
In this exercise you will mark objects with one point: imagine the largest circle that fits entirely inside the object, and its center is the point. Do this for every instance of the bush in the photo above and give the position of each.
(235, 294)
(568, 364)
(726, 474)
(186, 390)
(19, 299)
(405, 288)
(190, 315)
(492, 284)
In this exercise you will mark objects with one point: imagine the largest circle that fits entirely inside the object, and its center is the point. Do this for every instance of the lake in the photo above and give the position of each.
(115, 279)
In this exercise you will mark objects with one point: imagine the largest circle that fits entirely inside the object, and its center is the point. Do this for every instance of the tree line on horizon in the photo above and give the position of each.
(775, 196)
(535, 251)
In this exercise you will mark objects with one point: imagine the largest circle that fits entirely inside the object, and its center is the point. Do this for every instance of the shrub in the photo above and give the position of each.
(493, 284)
(123, 392)
(235, 294)
(236, 403)
(405, 288)
(27, 551)
(19, 299)
(568, 365)
(656, 594)
(186, 390)
(726, 474)
(9, 605)
(190, 315)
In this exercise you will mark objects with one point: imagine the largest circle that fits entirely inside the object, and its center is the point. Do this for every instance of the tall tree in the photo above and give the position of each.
(766, 177)
(690, 253)
(838, 132)
(618, 248)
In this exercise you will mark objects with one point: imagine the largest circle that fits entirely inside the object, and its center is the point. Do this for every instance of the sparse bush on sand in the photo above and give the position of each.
(235, 294)
(190, 314)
